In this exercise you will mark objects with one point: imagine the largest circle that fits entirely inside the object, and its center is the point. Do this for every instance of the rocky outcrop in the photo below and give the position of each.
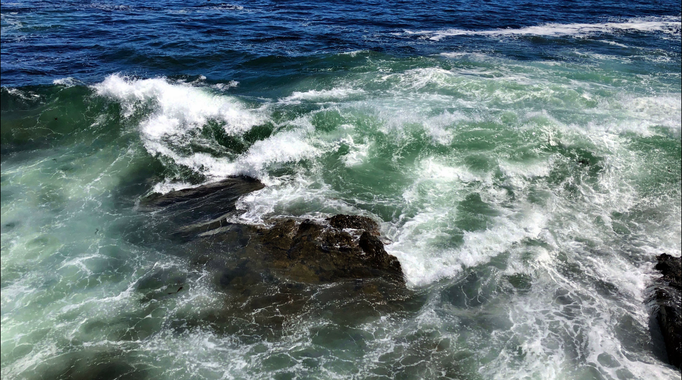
(276, 273)
(343, 247)
(668, 299)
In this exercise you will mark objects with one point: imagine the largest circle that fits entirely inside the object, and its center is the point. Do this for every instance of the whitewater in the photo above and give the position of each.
(525, 176)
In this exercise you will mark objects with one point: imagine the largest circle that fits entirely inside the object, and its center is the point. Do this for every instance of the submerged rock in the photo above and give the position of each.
(668, 298)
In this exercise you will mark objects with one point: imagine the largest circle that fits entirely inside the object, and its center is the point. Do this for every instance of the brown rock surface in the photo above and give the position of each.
(342, 247)
(318, 252)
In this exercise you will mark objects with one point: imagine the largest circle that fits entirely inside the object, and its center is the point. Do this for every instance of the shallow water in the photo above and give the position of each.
(523, 163)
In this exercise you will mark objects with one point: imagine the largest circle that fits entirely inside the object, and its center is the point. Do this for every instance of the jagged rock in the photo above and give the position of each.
(668, 298)
(183, 214)
(671, 269)
(201, 205)
(317, 252)
(342, 247)
(274, 274)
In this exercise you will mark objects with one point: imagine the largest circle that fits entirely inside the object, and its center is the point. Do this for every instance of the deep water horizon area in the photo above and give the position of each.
(338, 190)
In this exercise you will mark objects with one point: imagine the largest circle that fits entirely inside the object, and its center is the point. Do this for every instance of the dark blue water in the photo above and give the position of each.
(47, 40)
(523, 161)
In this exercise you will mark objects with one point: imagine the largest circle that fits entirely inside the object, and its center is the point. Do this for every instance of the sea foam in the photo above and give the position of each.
(172, 111)
(668, 25)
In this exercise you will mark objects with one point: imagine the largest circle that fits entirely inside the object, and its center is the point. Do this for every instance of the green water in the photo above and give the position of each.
(525, 200)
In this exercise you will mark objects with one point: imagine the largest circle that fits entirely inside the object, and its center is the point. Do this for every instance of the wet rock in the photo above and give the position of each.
(273, 275)
(668, 299)
(340, 248)
(671, 269)
(317, 252)
(231, 188)
(188, 212)
(201, 207)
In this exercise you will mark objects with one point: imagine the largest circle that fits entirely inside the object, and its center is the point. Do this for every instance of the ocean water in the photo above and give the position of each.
(523, 160)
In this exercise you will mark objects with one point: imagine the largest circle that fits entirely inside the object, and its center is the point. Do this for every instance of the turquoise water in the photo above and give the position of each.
(525, 178)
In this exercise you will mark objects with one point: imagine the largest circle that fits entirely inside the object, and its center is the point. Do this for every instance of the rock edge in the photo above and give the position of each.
(668, 298)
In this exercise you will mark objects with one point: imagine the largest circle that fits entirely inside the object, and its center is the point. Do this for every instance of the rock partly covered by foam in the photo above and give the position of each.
(340, 248)
(227, 190)
(668, 297)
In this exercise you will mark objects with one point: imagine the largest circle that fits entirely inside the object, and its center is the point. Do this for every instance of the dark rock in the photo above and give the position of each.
(668, 299)
(274, 274)
(232, 187)
(671, 268)
(199, 209)
(318, 252)
(206, 204)
(341, 248)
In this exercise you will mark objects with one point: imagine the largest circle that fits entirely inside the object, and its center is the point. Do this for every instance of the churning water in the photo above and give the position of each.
(524, 163)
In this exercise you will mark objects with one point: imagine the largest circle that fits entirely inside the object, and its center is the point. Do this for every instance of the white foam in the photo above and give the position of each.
(469, 55)
(431, 168)
(669, 25)
(418, 78)
(656, 110)
(358, 154)
(181, 105)
(226, 86)
(518, 173)
(299, 197)
(67, 82)
(168, 186)
(26, 95)
(614, 43)
(424, 264)
(322, 95)
(440, 127)
(354, 53)
(179, 108)
(283, 147)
